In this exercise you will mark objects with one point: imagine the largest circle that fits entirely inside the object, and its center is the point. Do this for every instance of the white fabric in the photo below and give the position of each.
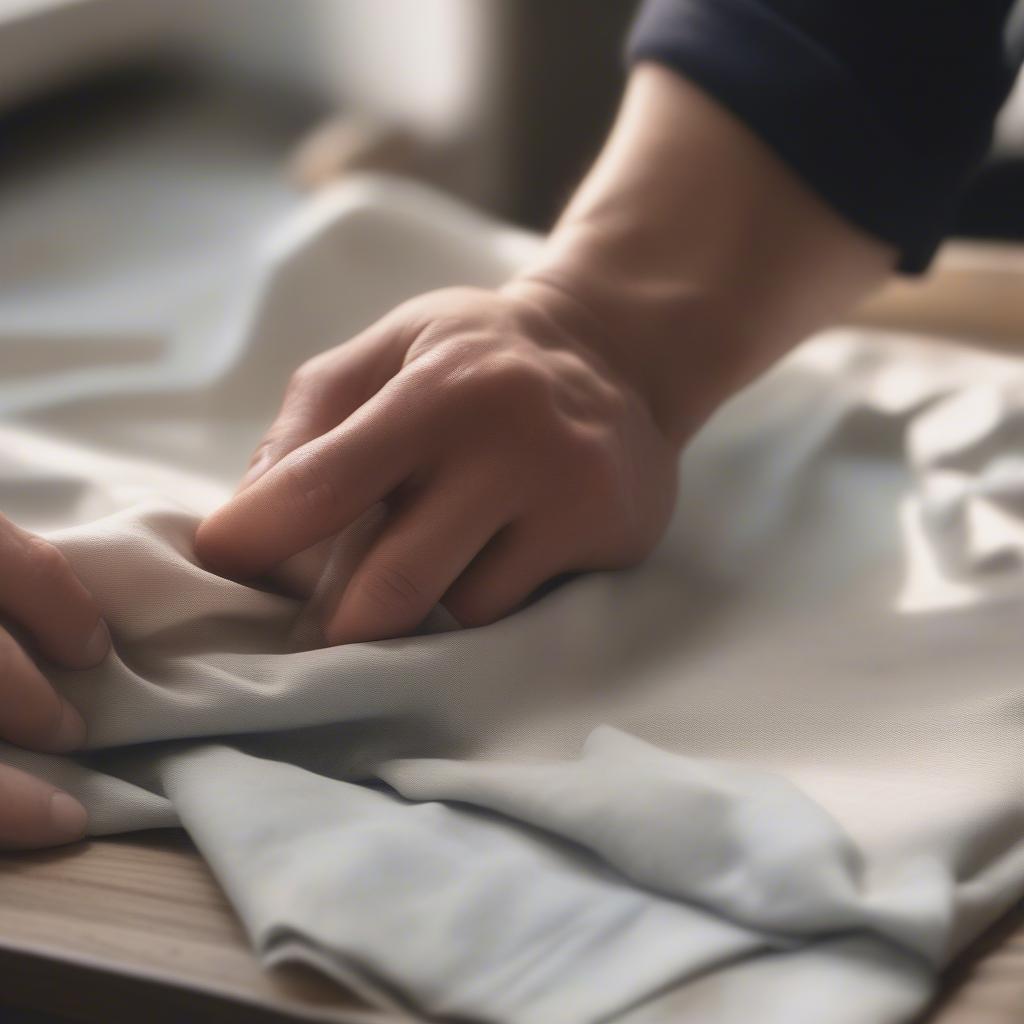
(773, 774)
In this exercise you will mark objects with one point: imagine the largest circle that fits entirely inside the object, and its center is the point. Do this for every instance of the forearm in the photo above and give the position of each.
(695, 257)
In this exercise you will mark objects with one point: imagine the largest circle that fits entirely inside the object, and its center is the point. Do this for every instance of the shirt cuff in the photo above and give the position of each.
(799, 99)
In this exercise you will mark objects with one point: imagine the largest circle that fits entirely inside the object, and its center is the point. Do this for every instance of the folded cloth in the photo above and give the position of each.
(772, 774)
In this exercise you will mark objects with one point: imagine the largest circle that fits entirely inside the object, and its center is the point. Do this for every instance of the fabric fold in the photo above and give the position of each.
(772, 773)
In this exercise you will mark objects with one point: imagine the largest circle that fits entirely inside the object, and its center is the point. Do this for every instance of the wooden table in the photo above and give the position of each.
(135, 928)
(986, 985)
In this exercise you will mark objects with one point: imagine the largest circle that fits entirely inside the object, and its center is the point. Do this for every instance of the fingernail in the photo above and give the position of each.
(67, 817)
(71, 730)
(98, 644)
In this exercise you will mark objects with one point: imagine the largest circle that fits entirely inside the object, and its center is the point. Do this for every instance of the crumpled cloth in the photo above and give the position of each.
(774, 773)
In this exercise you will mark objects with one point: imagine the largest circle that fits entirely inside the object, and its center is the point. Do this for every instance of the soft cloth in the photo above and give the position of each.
(772, 774)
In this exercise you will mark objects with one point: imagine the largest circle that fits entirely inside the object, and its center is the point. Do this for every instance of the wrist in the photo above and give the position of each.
(675, 346)
(692, 258)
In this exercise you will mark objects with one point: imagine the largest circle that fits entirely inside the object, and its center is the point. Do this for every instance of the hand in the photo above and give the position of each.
(506, 450)
(40, 594)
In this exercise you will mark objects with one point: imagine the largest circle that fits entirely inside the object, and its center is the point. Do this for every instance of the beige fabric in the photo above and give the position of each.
(772, 774)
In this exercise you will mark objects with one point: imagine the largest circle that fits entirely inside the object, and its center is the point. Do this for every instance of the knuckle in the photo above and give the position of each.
(309, 386)
(501, 381)
(264, 450)
(310, 491)
(519, 377)
(305, 375)
(273, 446)
(47, 565)
(461, 355)
(443, 337)
(391, 589)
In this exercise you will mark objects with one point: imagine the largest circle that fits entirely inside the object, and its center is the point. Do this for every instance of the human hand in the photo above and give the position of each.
(520, 434)
(40, 595)
(506, 449)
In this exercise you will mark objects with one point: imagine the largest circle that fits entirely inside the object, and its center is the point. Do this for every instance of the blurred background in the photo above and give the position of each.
(156, 139)
(502, 103)
(146, 146)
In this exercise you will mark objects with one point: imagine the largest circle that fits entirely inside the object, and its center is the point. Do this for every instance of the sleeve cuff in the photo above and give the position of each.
(796, 96)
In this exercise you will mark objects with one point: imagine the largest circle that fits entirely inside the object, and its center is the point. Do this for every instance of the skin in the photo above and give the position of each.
(511, 435)
(48, 615)
(517, 434)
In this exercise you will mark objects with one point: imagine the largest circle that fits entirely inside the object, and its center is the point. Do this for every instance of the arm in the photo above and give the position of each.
(696, 254)
(518, 434)
(883, 107)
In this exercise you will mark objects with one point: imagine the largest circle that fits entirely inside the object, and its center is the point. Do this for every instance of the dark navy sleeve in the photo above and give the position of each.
(883, 107)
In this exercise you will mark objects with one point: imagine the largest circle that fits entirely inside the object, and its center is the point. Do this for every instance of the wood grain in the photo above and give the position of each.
(986, 985)
(89, 930)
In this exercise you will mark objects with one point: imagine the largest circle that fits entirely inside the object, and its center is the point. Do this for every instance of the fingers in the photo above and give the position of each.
(322, 393)
(501, 578)
(33, 813)
(34, 714)
(414, 561)
(320, 488)
(40, 591)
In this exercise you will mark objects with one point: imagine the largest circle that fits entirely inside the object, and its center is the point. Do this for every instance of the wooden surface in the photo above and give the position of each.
(974, 294)
(98, 931)
(135, 928)
(986, 985)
